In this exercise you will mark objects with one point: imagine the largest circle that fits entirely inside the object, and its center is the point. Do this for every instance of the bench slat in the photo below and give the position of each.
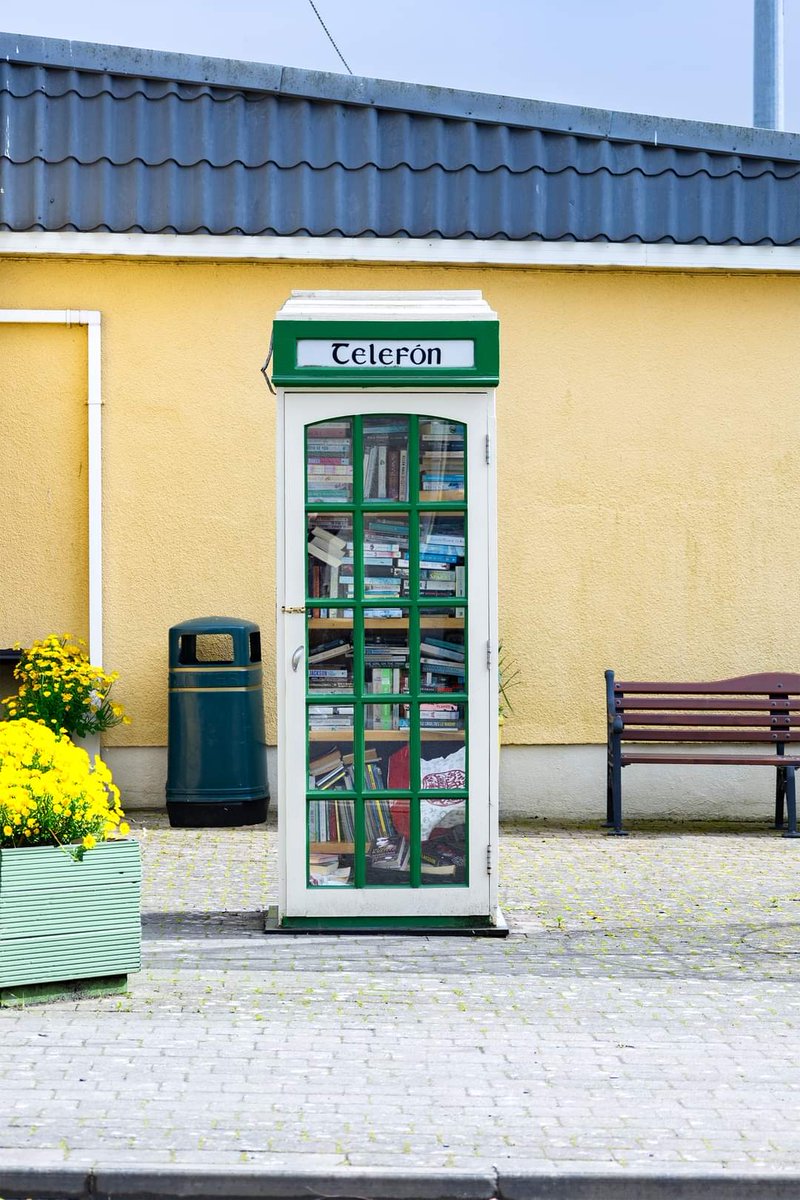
(753, 760)
(704, 704)
(742, 685)
(706, 720)
(710, 735)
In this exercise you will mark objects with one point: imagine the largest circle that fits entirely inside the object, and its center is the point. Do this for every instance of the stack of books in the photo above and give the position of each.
(441, 445)
(329, 462)
(337, 717)
(441, 557)
(378, 820)
(386, 458)
(324, 870)
(330, 821)
(330, 666)
(443, 666)
(386, 716)
(385, 666)
(328, 772)
(440, 716)
(385, 556)
(330, 560)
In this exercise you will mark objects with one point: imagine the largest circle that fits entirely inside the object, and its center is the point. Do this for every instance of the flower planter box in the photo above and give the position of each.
(68, 924)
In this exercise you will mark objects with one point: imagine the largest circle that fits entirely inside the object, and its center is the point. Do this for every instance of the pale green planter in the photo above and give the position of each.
(63, 921)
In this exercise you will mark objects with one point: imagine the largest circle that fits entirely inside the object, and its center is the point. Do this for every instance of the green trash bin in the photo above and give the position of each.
(216, 749)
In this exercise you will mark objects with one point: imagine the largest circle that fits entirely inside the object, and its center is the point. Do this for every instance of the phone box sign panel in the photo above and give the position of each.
(407, 354)
(381, 354)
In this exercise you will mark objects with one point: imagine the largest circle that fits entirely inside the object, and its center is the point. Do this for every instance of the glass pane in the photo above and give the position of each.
(442, 650)
(330, 655)
(443, 745)
(386, 760)
(441, 460)
(379, 718)
(443, 829)
(386, 659)
(329, 462)
(330, 736)
(330, 557)
(388, 848)
(331, 835)
(441, 554)
(385, 445)
(385, 555)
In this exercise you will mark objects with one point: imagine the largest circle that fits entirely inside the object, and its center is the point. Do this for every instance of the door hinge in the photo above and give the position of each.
(293, 608)
(488, 656)
(488, 448)
(489, 859)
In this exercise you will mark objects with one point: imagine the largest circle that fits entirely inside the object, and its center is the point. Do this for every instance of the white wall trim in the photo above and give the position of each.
(34, 316)
(455, 252)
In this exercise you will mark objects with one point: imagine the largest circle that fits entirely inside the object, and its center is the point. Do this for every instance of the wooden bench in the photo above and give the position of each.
(728, 715)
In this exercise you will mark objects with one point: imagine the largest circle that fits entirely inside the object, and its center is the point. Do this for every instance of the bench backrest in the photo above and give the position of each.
(750, 708)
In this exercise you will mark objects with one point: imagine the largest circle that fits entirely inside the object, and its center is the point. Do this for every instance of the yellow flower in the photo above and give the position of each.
(89, 841)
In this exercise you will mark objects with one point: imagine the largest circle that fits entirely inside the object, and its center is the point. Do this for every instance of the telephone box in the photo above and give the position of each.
(387, 613)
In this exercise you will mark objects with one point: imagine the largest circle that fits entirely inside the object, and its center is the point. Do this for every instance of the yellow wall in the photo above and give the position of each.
(648, 450)
(43, 498)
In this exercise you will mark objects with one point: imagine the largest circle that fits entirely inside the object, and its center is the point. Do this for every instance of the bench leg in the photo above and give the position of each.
(615, 790)
(780, 796)
(609, 821)
(791, 804)
(780, 790)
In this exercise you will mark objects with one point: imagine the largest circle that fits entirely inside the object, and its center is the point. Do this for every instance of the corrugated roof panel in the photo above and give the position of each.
(99, 150)
(122, 124)
(396, 203)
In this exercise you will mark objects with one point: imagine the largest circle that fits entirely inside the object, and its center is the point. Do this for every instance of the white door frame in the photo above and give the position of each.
(298, 408)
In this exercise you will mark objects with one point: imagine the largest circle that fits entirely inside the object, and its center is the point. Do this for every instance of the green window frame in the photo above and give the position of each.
(359, 605)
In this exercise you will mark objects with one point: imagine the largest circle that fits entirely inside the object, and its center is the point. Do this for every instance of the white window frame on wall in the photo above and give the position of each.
(90, 319)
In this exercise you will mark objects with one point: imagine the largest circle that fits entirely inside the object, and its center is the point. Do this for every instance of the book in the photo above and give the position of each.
(392, 854)
(442, 647)
(392, 473)
(323, 554)
(370, 469)
(324, 763)
(402, 484)
(381, 491)
(322, 536)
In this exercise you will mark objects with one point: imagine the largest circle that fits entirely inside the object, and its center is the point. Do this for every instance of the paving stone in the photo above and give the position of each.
(641, 1012)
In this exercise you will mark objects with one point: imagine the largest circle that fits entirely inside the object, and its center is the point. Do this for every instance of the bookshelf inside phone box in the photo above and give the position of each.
(387, 630)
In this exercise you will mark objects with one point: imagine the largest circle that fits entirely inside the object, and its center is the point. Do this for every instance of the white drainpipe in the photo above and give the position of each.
(34, 316)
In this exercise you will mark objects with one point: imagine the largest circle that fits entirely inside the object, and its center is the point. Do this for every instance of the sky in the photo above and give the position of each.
(669, 58)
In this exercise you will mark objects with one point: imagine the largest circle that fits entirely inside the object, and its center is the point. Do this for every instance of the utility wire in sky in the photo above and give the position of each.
(330, 39)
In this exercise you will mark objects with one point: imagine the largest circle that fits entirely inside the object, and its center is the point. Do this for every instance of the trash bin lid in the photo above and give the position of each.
(202, 641)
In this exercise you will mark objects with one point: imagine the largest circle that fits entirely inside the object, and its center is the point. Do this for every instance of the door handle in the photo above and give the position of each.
(298, 654)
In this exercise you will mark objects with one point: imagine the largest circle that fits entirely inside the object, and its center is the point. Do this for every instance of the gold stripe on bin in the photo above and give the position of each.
(253, 687)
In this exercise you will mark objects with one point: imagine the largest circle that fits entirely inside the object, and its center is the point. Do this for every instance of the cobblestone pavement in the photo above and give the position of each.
(642, 1013)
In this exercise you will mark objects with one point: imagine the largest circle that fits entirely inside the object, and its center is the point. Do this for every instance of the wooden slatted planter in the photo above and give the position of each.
(63, 921)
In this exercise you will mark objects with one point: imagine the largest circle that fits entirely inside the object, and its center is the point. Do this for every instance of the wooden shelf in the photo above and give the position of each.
(386, 735)
(386, 623)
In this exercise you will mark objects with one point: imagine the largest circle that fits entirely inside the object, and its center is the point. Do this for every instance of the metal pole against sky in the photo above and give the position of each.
(768, 64)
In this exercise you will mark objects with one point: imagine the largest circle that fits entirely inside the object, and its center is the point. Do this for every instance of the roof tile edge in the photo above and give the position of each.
(409, 97)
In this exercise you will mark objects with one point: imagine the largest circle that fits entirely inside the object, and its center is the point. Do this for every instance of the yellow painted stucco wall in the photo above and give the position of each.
(44, 506)
(649, 487)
